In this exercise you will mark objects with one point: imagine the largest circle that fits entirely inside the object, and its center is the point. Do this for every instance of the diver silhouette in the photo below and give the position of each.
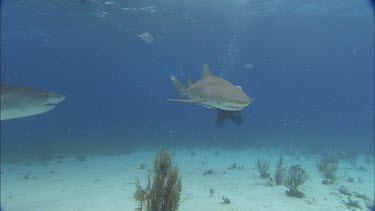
(233, 115)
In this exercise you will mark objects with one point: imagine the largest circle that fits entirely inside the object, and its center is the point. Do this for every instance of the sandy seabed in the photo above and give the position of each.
(108, 182)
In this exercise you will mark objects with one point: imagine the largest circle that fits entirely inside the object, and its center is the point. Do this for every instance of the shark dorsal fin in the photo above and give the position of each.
(206, 71)
(189, 82)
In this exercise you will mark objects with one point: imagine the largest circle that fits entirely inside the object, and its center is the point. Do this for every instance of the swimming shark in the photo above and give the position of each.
(212, 92)
(20, 101)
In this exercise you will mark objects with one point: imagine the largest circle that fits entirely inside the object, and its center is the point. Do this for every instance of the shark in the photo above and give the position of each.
(20, 101)
(212, 92)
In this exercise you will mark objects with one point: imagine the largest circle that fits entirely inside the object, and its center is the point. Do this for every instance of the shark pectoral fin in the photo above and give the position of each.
(185, 101)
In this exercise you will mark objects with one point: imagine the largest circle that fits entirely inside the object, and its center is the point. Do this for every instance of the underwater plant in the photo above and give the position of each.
(362, 196)
(279, 173)
(140, 195)
(325, 160)
(330, 173)
(343, 190)
(212, 191)
(217, 152)
(26, 176)
(351, 179)
(225, 200)
(163, 186)
(81, 157)
(370, 205)
(207, 172)
(349, 156)
(142, 166)
(368, 159)
(233, 166)
(294, 177)
(362, 168)
(263, 167)
(351, 203)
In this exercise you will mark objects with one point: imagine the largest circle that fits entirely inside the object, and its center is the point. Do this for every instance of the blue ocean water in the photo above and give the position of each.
(309, 65)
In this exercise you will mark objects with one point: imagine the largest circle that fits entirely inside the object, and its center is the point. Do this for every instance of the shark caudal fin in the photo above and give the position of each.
(181, 89)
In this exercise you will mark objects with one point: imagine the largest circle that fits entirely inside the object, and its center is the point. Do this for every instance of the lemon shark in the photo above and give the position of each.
(212, 92)
(20, 101)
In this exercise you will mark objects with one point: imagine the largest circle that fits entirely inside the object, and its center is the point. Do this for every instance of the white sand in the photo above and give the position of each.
(107, 183)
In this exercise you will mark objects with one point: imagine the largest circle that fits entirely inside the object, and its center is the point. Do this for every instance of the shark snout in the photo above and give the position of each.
(239, 102)
(53, 99)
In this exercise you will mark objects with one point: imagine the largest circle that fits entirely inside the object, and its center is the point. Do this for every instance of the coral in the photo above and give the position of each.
(163, 186)
(294, 177)
(279, 173)
(263, 167)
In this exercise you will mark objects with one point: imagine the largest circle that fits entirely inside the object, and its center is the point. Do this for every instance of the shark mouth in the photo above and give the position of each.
(236, 107)
(49, 104)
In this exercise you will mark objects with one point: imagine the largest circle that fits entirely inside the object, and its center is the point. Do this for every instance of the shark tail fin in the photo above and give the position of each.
(181, 89)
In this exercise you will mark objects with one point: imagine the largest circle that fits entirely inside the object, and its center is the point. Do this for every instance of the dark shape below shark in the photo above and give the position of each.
(233, 115)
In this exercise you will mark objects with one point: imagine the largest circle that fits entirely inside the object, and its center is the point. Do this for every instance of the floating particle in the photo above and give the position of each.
(248, 66)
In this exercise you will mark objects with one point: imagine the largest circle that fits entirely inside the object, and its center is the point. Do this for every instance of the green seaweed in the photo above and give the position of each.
(263, 167)
(279, 173)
